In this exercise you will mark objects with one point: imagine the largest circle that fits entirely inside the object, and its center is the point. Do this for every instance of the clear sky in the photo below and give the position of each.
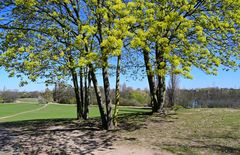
(224, 79)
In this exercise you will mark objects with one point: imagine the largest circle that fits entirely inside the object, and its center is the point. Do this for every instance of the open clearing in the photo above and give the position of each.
(54, 130)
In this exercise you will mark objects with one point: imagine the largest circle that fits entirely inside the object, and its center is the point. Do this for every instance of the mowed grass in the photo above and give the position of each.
(11, 109)
(52, 111)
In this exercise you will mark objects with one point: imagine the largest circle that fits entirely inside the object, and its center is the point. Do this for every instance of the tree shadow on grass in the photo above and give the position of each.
(182, 149)
(206, 142)
(133, 121)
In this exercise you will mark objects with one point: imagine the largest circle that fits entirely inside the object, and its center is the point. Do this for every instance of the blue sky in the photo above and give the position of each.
(224, 79)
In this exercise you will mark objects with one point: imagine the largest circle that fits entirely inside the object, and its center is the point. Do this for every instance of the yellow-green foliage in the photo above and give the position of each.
(190, 33)
(200, 33)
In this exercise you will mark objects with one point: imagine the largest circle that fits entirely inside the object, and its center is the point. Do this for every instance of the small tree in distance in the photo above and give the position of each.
(173, 86)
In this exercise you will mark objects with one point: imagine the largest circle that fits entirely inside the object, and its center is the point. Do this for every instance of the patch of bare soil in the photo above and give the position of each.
(53, 138)
(65, 137)
(130, 150)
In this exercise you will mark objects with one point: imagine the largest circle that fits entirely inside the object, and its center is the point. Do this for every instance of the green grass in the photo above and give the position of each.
(52, 111)
(191, 131)
(11, 109)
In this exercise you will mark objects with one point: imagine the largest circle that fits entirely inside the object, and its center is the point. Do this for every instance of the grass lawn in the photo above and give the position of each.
(11, 109)
(52, 111)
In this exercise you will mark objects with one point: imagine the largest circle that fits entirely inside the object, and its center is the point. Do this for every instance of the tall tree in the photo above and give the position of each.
(112, 21)
(45, 37)
(183, 34)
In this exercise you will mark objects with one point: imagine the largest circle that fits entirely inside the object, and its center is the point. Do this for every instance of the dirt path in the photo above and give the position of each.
(61, 140)
(24, 112)
(131, 150)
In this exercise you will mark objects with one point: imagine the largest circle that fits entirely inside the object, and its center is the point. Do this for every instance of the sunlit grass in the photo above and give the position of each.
(52, 111)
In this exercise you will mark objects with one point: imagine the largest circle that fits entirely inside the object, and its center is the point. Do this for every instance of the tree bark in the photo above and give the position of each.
(81, 88)
(161, 92)
(151, 82)
(98, 96)
(117, 93)
(76, 90)
(106, 85)
(161, 86)
(87, 82)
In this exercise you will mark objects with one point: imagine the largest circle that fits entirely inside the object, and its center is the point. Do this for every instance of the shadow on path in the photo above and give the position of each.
(63, 136)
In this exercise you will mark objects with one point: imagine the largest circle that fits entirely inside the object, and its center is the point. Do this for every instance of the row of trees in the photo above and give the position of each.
(10, 96)
(208, 98)
(188, 98)
(80, 38)
(64, 94)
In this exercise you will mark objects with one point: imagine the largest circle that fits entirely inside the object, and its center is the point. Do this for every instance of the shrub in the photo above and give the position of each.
(1, 99)
(42, 100)
(177, 107)
(72, 101)
(129, 102)
(9, 96)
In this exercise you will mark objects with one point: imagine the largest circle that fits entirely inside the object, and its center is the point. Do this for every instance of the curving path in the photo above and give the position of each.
(43, 107)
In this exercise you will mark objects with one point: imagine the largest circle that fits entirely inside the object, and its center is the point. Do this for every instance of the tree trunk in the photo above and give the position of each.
(87, 82)
(98, 96)
(76, 90)
(151, 82)
(117, 93)
(81, 88)
(106, 84)
(161, 86)
(55, 92)
(161, 92)
(171, 88)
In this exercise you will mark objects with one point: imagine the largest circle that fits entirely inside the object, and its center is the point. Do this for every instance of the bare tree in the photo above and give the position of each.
(173, 86)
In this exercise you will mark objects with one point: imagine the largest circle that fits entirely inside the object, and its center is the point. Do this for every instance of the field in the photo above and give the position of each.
(33, 111)
(33, 129)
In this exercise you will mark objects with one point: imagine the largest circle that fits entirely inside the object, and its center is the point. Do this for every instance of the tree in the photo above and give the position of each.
(62, 38)
(173, 86)
(112, 22)
(183, 34)
(48, 36)
(47, 95)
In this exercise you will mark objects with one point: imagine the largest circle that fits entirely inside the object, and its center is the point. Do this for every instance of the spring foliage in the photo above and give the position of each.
(197, 33)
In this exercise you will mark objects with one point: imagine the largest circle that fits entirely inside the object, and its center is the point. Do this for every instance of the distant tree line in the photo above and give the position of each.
(188, 98)
(208, 98)
(64, 94)
(9, 96)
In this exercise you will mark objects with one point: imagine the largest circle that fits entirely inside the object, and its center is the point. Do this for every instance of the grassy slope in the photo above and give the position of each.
(191, 131)
(51, 112)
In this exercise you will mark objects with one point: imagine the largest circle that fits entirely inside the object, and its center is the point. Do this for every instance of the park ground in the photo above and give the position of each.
(30, 128)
